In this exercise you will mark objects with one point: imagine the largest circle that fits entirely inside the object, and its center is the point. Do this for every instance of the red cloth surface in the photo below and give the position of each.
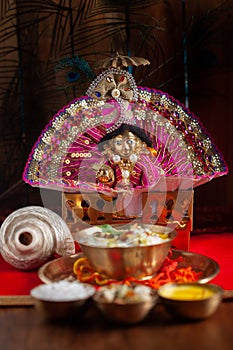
(16, 282)
(216, 246)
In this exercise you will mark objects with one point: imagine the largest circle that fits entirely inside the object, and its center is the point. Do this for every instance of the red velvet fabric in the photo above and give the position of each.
(16, 282)
(216, 246)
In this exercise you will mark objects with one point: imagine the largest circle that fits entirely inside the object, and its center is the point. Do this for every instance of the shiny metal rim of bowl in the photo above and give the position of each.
(62, 268)
(82, 237)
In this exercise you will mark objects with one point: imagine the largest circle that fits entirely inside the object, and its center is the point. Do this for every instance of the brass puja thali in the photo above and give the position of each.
(63, 268)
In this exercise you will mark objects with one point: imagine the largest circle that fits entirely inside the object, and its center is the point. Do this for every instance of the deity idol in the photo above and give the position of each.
(130, 158)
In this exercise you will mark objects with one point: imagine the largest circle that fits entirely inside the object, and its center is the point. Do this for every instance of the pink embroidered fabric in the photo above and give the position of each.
(66, 155)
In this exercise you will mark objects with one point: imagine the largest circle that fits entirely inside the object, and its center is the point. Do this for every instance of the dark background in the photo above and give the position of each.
(192, 37)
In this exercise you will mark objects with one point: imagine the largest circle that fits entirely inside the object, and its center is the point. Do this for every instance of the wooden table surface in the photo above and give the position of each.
(25, 328)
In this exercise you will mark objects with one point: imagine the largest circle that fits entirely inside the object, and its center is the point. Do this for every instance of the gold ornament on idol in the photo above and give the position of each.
(122, 150)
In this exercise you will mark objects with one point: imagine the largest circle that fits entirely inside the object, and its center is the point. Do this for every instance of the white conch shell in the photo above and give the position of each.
(31, 235)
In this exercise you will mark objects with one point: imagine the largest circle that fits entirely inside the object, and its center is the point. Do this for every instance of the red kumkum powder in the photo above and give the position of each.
(168, 272)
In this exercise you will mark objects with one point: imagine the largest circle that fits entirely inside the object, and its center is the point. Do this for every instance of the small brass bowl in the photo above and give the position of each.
(125, 311)
(62, 300)
(192, 300)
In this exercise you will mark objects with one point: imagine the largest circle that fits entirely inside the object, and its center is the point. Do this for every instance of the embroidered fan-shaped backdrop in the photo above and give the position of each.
(67, 153)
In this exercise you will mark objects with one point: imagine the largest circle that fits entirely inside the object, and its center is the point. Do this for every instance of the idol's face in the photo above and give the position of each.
(124, 144)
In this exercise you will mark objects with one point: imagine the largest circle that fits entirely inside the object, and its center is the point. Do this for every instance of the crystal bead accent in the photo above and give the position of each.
(116, 158)
(125, 174)
(115, 93)
(133, 158)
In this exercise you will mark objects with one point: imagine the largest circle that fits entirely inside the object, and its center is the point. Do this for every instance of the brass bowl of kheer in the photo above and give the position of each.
(120, 262)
